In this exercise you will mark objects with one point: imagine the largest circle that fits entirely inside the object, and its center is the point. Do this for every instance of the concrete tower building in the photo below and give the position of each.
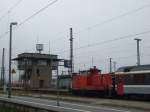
(37, 69)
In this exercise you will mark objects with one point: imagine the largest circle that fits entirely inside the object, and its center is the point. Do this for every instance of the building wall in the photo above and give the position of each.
(40, 73)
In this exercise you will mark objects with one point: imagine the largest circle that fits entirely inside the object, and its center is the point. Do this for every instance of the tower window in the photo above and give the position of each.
(38, 72)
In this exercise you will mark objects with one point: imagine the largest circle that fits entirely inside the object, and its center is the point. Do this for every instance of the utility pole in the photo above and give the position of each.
(58, 104)
(71, 52)
(3, 71)
(114, 63)
(92, 61)
(138, 51)
(110, 66)
(10, 55)
(49, 48)
(25, 74)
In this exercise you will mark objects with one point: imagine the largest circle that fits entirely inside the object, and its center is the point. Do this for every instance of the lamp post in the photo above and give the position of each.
(10, 54)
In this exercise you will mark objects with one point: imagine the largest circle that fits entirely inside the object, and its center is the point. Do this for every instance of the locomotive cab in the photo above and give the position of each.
(94, 71)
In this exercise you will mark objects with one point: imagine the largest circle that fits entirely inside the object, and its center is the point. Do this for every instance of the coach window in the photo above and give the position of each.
(139, 78)
(129, 79)
(147, 79)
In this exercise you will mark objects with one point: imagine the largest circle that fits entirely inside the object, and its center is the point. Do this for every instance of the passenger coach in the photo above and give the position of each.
(134, 79)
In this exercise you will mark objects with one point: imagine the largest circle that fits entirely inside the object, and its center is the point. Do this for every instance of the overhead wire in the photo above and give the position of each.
(107, 41)
(115, 18)
(105, 59)
(112, 51)
(10, 9)
(112, 40)
(112, 47)
(89, 45)
(30, 17)
(110, 20)
(36, 13)
(118, 58)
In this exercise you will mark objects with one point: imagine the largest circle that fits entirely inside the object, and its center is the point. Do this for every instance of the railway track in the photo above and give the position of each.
(64, 92)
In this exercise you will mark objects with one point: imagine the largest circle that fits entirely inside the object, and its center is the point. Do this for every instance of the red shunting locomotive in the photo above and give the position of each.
(92, 80)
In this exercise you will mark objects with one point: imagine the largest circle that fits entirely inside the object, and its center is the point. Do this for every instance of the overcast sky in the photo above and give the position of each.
(93, 23)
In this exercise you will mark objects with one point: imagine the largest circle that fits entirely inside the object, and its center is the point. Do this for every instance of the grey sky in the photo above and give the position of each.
(53, 25)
